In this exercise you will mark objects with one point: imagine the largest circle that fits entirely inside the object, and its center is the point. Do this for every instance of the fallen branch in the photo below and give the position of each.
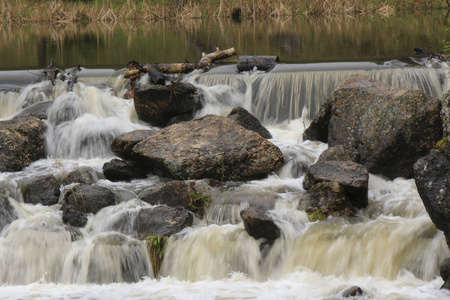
(205, 63)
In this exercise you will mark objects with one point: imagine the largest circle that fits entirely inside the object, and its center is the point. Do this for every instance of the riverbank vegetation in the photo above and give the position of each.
(71, 11)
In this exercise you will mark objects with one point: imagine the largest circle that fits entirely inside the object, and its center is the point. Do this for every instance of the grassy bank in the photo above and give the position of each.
(74, 11)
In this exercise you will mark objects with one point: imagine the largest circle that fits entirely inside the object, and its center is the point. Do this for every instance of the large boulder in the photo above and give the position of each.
(157, 104)
(259, 224)
(22, 141)
(161, 220)
(389, 128)
(122, 170)
(123, 144)
(339, 152)
(249, 121)
(353, 177)
(432, 175)
(209, 147)
(41, 190)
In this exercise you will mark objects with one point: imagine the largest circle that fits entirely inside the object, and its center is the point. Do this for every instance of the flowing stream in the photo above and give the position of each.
(390, 249)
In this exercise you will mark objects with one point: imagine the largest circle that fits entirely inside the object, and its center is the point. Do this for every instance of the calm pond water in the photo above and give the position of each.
(371, 38)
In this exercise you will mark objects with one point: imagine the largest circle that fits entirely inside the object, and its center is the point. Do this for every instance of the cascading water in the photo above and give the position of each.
(390, 249)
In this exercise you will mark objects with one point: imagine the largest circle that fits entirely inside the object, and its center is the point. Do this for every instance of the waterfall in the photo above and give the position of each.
(391, 249)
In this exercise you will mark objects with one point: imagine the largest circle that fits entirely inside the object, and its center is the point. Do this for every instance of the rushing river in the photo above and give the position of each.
(390, 249)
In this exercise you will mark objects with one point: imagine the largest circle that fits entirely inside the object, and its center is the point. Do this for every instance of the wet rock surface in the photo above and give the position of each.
(389, 128)
(89, 198)
(122, 170)
(161, 220)
(353, 177)
(340, 153)
(258, 224)
(7, 212)
(123, 144)
(328, 198)
(208, 147)
(247, 120)
(41, 190)
(22, 141)
(157, 104)
(38, 110)
(85, 175)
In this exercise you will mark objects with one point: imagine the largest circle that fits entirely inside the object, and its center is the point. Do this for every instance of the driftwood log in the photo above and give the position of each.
(205, 62)
(52, 72)
(420, 51)
(262, 63)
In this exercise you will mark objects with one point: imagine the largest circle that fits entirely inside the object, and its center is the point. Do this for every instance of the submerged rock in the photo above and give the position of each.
(123, 144)
(209, 147)
(41, 190)
(389, 128)
(22, 141)
(249, 121)
(38, 110)
(354, 291)
(161, 220)
(122, 170)
(259, 225)
(157, 104)
(353, 177)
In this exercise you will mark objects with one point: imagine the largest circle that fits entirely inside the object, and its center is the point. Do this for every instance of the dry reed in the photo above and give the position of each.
(64, 12)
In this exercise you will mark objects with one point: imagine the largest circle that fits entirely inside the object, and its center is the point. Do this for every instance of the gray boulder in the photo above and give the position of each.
(158, 104)
(249, 121)
(161, 220)
(89, 198)
(353, 177)
(22, 141)
(41, 190)
(179, 193)
(83, 174)
(208, 147)
(389, 128)
(339, 152)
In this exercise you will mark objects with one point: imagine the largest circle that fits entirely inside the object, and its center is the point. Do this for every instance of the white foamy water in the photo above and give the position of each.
(390, 249)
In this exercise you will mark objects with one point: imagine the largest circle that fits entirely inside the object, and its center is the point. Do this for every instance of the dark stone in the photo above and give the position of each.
(123, 144)
(22, 141)
(390, 128)
(38, 110)
(353, 177)
(354, 291)
(89, 198)
(329, 198)
(179, 119)
(72, 216)
(161, 220)
(444, 268)
(209, 147)
(249, 121)
(84, 174)
(157, 104)
(7, 212)
(177, 193)
(339, 152)
(41, 190)
(258, 224)
(445, 113)
(122, 170)
(432, 175)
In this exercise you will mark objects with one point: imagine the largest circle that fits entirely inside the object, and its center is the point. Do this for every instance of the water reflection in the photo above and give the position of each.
(301, 39)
